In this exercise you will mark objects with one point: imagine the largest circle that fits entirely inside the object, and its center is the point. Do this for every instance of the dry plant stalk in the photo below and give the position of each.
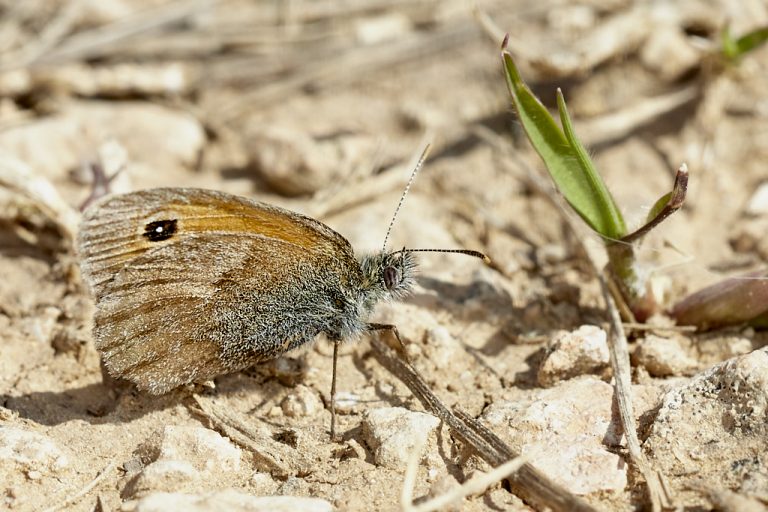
(529, 483)
(94, 42)
(268, 454)
(619, 350)
(85, 490)
(475, 485)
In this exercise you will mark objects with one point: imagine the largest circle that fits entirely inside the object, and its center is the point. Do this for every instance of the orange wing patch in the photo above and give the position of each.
(121, 228)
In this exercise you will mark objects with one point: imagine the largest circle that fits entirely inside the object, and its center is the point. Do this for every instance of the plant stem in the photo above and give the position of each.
(622, 269)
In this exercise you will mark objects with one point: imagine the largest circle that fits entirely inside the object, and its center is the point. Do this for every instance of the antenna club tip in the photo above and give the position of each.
(486, 259)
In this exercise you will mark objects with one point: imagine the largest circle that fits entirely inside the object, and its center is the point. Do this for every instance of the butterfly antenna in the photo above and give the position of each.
(468, 252)
(416, 169)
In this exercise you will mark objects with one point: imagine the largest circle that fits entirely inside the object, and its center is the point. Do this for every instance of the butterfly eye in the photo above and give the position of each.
(391, 277)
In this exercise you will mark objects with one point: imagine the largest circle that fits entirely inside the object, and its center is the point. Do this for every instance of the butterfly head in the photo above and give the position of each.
(389, 275)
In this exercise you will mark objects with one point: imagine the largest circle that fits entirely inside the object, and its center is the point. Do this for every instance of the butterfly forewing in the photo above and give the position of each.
(161, 261)
(120, 228)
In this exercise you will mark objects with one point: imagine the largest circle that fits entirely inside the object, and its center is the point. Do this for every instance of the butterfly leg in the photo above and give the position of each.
(333, 390)
(393, 329)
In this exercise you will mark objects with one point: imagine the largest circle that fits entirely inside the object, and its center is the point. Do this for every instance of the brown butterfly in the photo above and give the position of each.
(191, 284)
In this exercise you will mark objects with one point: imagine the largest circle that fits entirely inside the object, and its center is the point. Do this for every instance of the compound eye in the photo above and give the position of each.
(391, 277)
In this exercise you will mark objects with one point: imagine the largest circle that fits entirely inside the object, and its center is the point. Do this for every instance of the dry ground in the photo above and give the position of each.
(322, 107)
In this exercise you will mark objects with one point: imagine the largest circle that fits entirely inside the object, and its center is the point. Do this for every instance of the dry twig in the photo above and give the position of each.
(93, 43)
(85, 490)
(623, 385)
(268, 454)
(475, 485)
(529, 483)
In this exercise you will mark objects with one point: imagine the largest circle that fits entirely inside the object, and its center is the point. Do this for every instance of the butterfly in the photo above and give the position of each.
(191, 284)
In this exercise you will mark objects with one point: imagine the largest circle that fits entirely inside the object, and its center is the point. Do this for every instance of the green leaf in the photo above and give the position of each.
(734, 49)
(752, 40)
(658, 206)
(728, 44)
(566, 159)
(600, 197)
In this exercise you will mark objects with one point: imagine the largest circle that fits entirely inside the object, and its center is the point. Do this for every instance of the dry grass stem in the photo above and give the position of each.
(94, 43)
(619, 351)
(475, 485)
(658, 328)
(85, 490)
(620, 124)
(268, 454)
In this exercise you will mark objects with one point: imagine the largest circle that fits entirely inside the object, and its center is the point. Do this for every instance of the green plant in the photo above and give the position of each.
(734, 48)
(577, 179)
(729, 302)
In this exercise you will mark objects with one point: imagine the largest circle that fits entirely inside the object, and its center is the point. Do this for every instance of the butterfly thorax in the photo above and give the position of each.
(383, 277)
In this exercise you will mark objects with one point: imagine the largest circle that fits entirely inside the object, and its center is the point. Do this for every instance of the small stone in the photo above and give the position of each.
(229, 499)
(302, 402)
(551, 254)
(378, 29)
(442, 349)
(570, 354)
(347, 402)
(668, 53)
(139, 126)
(202, 448)
(164, 475)
(295, 163)
(745, 381)
(712, 431)
(748, 237)
(133, 466)
(263, 483)
(443, 485)
(717, 349)
(287, 370)
(31, 451)
(292, 486)
(663, 357)
(44, 324)
(572, 18)
(31, 464)
(758, 203)
(15, 82)
(354, 449)
(569, 432)
(393, 433)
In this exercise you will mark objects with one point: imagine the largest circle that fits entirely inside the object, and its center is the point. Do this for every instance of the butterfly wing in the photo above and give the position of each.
(192, 283)
(121, 228)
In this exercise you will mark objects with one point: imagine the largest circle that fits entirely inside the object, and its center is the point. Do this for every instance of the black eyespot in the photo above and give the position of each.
(160, 230)
(391, 277)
